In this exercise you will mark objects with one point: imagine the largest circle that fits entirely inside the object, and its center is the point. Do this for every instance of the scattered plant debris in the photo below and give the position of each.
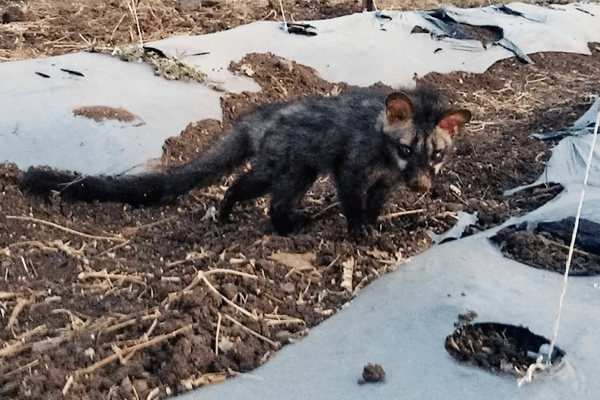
(168, 67)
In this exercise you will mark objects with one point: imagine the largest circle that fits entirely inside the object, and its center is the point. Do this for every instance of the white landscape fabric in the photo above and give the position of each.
(401, 322)
(567, 166)
(38, 127)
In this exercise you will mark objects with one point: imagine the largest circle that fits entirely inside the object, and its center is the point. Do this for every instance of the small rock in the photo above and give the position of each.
(455, 206)
(90, 251)
(283, 336)
(225, 344)
(288, 287)
(476, 203)
(141, 386)
(126, 386)
(285, 65)
(229, 290)
(90, 353)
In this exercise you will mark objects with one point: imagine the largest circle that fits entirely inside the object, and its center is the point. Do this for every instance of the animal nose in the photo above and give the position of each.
(421, 183)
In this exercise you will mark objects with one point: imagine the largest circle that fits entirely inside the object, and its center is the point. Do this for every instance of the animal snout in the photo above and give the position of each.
(421, 183)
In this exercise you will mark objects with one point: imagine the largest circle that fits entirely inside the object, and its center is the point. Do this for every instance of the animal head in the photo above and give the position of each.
(421, 130)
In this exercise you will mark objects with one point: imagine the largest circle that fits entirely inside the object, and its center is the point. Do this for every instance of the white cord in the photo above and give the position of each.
(574, 235)
(283, 16)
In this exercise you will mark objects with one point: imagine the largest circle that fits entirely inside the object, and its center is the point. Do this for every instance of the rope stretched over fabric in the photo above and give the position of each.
(573, 236)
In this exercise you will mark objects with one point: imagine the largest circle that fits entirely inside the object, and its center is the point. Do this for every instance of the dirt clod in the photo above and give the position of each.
(372, 373)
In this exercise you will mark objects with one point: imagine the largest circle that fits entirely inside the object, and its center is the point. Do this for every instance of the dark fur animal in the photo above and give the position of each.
(366, 141)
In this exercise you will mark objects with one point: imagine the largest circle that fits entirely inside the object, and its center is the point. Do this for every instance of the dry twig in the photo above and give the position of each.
(13, 349)
(225, 299)
(21, 304)
(45, 345)
(201, 276)
(230, 271)
(119, 277)
(41, 329)
(323, 211)
(276, 345)
(120, 245)
(155, 314)
(22, 367)
(92, 368)
(217, 334)
(276, 319)
(400, 213)
(57, 226)
(68, 385)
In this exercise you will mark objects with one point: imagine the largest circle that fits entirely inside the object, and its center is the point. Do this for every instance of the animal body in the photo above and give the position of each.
(366, 141)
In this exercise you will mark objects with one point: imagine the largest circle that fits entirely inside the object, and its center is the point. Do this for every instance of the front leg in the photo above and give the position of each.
(376, 196)
(350, 190)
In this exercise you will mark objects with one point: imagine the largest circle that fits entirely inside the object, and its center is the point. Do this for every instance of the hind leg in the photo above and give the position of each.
(285, 191)
(247, 187)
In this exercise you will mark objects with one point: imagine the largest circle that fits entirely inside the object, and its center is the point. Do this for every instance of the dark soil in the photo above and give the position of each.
(499, 348)
(172, 300)
(543, 250)
(100, 113)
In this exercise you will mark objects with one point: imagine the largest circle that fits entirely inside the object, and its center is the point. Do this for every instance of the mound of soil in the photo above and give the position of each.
(106, 301)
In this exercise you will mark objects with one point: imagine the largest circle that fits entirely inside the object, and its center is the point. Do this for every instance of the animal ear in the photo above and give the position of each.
(398, 107)
(454, 120)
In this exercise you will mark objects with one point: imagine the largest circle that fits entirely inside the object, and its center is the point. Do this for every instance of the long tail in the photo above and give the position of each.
(143, 189)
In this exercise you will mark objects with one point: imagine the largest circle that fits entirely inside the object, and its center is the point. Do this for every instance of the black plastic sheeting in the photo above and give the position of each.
(457, 30)
(447, 25)
(588, 232)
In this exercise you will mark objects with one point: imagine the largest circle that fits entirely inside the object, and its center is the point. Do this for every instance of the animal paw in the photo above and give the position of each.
(285, 224)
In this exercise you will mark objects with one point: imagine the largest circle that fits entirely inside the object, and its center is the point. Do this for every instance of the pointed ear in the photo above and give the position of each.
(398, 107)
(454, 120)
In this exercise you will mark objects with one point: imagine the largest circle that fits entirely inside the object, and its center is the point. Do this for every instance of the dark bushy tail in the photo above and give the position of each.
(143, 189)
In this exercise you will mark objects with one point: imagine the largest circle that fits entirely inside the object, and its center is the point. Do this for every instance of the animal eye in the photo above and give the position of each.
(437, 156)
(404, 151)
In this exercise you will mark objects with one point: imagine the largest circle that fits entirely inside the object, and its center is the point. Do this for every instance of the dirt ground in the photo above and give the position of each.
(105, 301)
